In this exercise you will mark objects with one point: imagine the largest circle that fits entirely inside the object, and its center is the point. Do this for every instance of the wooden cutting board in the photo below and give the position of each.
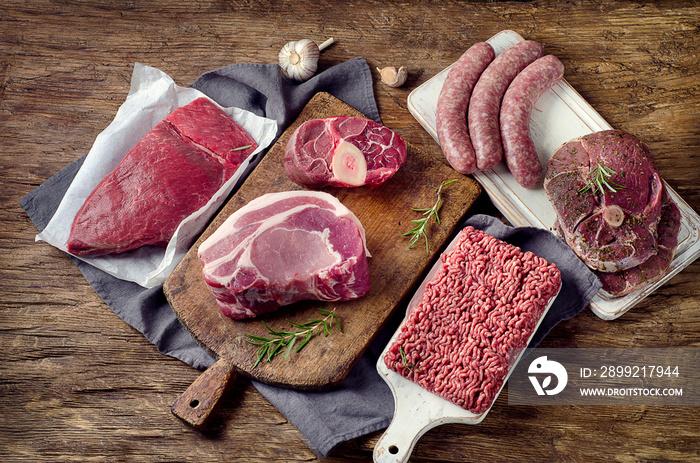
(385, 212)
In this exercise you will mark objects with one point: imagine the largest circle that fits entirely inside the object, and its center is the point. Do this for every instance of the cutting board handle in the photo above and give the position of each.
(199, 402)
(407, 426)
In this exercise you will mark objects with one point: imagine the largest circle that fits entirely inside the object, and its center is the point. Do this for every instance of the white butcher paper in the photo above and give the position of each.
(152, 96)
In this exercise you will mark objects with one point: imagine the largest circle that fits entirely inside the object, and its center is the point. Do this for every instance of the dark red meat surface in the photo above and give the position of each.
(172, 172)
(630, 232)
(652, 269)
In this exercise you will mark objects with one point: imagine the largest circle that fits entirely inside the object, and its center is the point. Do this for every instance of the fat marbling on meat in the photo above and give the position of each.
(343, 151)
(282, 248)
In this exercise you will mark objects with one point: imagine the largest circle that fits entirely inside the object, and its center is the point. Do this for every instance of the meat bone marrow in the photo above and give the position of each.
(613, 208)
(285, 247)
(171, 173)
(343, 151)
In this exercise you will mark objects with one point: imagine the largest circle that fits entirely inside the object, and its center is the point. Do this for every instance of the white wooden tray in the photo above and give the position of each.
(559, 115)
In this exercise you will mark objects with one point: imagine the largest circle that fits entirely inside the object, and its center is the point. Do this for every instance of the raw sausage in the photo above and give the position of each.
(485, 102)
(453, 101)
(518, 149)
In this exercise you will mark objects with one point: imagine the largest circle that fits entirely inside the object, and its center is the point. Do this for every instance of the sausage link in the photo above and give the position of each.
(453, 101)
(520, 97)
(485, 102)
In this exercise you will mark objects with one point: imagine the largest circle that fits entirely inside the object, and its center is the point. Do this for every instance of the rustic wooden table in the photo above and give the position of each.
(79, 384)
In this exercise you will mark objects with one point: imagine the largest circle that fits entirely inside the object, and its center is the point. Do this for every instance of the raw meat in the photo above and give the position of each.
(285, 247)
(453, 104)
(629, 235)
(652, 269)
(172, 172)
(485, 101)
(206, 125)
(343, 152)
(475, 316)
(518, 102)
(614, 230)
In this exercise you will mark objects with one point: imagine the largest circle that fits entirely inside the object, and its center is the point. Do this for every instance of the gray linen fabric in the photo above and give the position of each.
(362, 403)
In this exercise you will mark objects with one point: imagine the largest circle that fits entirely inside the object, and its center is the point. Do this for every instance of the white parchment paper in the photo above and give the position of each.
(153, 95)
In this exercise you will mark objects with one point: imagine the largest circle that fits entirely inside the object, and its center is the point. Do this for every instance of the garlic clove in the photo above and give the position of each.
(299, 58)
(393, 77)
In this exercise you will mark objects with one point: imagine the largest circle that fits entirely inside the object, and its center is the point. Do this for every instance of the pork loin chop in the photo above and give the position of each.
(285, 247)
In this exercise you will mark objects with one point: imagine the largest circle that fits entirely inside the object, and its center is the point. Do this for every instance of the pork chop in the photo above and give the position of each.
(285, 247)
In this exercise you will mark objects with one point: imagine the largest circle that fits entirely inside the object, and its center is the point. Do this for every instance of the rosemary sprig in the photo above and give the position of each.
(404, 360)
(599, 179)
(268, 348)
(241, 148)
(422, 224)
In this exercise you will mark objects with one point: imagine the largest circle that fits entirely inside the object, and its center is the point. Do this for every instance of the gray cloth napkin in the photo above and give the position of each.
(362, 403)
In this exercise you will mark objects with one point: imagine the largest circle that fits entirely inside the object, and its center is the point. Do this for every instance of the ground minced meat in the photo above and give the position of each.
(475, 317)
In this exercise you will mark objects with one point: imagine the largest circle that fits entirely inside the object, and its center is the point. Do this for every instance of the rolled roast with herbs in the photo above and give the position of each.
(613, 208)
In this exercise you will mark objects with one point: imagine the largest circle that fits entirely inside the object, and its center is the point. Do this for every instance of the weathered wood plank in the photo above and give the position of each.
(78, 384)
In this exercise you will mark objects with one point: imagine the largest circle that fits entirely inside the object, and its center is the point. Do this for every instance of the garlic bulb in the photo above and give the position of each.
(393, 77)
(299, 58)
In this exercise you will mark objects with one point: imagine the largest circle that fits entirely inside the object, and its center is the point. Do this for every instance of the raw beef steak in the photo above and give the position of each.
(652, 269)
(172, 172)
(343, 151)
(285, 247)
(629, 235)
(212, 129)
(609, 230)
